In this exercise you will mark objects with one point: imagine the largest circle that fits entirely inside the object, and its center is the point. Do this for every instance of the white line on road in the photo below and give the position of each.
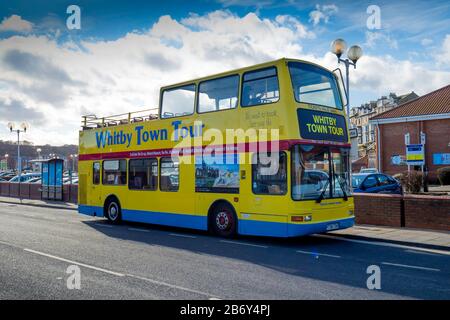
(409, 266)
(244, 244)
(318, 254)
(383, 244)
(137, 229)
(182, 235)
(161, 283)
(419, 252)
(74, 262)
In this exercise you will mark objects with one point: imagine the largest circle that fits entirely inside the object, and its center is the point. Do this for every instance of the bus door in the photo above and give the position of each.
(94, 186)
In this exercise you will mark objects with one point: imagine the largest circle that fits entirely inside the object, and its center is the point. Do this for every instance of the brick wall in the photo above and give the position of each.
(378, 209)
(429, 212)
(411, 211)
(392, 138)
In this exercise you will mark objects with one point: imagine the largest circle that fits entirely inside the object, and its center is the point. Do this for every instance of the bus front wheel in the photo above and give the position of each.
(113, 210)
(223, 220)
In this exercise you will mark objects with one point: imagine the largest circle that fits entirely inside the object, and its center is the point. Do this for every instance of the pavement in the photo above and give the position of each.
(136, 261)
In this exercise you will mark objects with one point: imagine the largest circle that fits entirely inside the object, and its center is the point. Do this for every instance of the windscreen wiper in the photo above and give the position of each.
(342, 188)
(320, 198)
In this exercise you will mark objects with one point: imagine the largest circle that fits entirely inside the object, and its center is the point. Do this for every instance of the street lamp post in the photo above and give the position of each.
(23, 128)
(338, 47)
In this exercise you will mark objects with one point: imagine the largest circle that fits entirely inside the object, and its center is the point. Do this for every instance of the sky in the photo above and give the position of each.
(124, 51)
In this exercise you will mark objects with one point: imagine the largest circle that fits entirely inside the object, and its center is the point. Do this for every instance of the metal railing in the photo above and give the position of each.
(93, 122)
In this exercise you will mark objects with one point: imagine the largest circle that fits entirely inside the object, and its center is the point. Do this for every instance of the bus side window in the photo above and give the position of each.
(143, 174)
(115, 172)
(218, 94)
(96, 173)
(260, 87)
(266, 182)
(169, 175)
(178, 101)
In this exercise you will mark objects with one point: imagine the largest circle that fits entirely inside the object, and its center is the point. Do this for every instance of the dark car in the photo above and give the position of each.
(375, 183)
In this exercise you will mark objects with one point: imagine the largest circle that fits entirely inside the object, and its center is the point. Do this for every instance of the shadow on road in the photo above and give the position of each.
(347, 267)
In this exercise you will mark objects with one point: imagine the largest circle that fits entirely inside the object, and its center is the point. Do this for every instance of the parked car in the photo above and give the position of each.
(375, 183)
(368, 170)
(25, 177)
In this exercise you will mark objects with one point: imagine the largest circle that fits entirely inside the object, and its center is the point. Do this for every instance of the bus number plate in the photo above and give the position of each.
(332, 226)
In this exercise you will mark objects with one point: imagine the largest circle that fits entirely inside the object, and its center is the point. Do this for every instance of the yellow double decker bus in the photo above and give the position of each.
(262, 150)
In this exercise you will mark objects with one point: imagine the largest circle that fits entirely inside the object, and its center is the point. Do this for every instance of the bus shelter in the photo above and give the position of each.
(52, 179)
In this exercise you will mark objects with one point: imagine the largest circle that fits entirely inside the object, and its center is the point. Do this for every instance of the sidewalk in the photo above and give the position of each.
(40, 203)
(404, 236)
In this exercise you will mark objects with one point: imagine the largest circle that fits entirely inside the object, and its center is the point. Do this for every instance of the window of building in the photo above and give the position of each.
(96, 173)
(269, 178)
(143, 174)
(260, 87)
(115, 172)
(178, 101)
(169, 175)
(218, 94)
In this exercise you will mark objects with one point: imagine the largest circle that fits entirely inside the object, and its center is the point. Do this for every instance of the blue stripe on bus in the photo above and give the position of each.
(245, 227)
(279, 229)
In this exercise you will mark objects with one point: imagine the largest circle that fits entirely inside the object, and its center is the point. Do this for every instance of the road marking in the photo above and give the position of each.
(137, 229)
(244, 244)
(409, 266)
(383, 244)
(74, 262)
(419, 252)
(161, 283)
(182, 235)
(318, 254)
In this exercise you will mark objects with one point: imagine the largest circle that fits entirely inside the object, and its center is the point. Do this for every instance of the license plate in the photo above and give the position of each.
(333, 226)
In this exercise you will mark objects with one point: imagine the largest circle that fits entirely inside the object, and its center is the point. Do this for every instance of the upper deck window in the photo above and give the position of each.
(260, 87)
(178, 101)
(218, 94)
(314, 85)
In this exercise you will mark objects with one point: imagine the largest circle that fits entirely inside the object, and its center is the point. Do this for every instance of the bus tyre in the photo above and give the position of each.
(223, 220)
(113, 211)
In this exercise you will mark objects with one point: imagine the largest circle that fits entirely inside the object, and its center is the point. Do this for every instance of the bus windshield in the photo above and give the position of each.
(319, 172)
(314, 85)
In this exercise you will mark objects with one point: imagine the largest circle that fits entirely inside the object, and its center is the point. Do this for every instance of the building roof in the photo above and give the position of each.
(433, 103)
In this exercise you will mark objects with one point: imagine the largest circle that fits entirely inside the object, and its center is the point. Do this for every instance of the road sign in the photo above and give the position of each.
(423, 137)
(353, 133)
(415, 155)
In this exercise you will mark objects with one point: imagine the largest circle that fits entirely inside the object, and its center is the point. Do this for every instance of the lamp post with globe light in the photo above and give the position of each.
(338, 47)
(22, 129)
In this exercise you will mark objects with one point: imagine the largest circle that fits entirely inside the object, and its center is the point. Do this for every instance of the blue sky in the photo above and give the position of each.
(141, 45)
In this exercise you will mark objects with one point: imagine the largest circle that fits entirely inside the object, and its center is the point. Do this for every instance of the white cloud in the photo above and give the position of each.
(443, 56)
(15, 23)
(374, 38)
(322, 13)
(426, 42)
(122, 75)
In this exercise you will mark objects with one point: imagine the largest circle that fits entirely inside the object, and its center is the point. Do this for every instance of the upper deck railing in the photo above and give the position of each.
(92, 122)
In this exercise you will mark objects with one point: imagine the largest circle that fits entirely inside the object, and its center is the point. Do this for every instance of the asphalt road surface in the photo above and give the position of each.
(135, 261)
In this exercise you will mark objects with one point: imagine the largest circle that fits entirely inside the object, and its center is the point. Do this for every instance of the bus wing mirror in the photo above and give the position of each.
(340, 80)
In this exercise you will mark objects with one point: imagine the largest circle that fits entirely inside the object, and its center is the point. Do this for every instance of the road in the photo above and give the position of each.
(134, 261)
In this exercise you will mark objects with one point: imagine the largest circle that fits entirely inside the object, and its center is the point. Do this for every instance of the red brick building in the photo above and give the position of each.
(429, 114)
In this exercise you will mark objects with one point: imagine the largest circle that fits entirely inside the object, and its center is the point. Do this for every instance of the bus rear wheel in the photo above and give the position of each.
(113, 211)
(223, 220)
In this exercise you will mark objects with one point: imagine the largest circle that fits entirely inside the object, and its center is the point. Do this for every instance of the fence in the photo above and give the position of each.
(33, 191)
